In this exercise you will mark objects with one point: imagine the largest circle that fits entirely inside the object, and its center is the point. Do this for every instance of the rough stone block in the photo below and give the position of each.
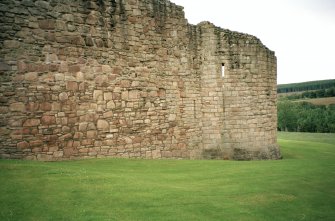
(101, 80)
(124, 95)
(103, 125)
(4, 66)
(31, 76)
(47, 24)
(72, 86)
(106, 69)
(63, 96)
(98, 95)
(48, 120)
(156, 154)
(44, 157)
(11, 44)
(23, 145)
(92, 134)
(20, 107)
(108, 96)
(74, 68)
(31, 123)
(83, 126)
(108, 114)
(58, 154)
(134, 94)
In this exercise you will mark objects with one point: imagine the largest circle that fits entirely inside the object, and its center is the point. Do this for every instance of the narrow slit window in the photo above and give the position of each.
(222, 70)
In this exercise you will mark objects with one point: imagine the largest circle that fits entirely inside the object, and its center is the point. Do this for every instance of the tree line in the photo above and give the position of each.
(305, 117)
(330, 92)
(306, 86)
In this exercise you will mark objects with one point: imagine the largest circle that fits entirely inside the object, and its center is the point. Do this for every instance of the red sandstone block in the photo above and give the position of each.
(53, 67)
(78, 135)
(31, 123)
(69, 152)
(101, 80)
(76, 144)
(48, 120)
(74, 68)
(112, 77)
(26, 131)
(117, 71)
(82, 86)
(137, 140)
(116, 96)
(23, 145)
(45, 106)
(36, 143)
(72, 86)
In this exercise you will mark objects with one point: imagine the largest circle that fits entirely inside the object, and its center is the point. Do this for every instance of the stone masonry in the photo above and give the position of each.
(130, 78)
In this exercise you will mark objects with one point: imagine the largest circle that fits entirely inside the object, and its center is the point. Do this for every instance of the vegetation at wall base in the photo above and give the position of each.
(299, 187)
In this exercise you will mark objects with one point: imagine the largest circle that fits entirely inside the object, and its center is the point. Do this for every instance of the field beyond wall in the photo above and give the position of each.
(299, 187)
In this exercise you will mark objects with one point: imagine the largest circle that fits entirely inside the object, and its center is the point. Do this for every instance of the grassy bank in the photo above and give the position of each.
(299, 187)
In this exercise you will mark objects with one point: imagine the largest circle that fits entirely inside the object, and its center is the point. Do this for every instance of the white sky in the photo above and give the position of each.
(301, 32)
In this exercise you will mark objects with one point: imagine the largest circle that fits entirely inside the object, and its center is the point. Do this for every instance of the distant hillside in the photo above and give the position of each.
(325, 101)
(306, 86)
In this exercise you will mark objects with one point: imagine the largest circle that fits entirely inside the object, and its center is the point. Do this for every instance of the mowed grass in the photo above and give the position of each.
(299, 187)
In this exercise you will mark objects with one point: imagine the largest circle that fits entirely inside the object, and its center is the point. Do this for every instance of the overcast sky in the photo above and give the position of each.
(301, 32)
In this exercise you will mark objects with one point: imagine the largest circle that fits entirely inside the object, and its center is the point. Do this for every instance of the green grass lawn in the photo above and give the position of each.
(299, 187)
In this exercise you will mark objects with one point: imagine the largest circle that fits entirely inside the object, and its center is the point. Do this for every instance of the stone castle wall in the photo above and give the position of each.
(130, 78)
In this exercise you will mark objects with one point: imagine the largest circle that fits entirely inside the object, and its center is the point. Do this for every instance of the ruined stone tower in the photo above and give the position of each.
(131, 78)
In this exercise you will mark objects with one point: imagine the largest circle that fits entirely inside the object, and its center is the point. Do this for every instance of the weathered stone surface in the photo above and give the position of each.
(31, 76)
(31, 122)
(79, 81)
(98, 95)
(63, 96)
(11, 44)
(103, 125)
(23, 145)
(47, 24)
(4, 66)
(48, 120)
(21, 107)
(72, 86)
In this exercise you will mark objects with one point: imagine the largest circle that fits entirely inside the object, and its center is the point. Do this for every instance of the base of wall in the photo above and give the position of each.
(271, 152)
